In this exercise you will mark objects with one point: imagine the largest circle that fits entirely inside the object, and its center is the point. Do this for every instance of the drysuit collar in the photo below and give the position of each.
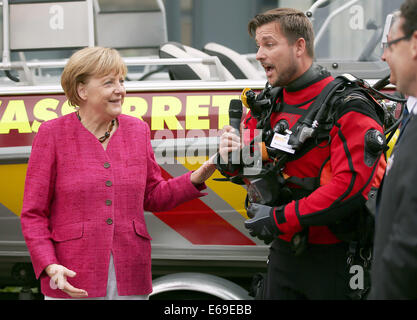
(314, 74)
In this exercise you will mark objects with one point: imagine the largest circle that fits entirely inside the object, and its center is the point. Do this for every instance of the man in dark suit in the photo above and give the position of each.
(394, 268)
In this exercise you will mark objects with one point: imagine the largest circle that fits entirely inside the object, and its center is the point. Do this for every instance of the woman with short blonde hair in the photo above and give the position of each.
(90, 177)
(85, 63)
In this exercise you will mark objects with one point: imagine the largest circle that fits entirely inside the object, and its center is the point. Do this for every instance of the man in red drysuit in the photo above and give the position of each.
(328, 179)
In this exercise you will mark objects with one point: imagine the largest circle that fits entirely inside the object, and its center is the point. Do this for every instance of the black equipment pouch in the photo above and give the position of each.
(257, 287)
(357, 230)
(263, 190)
(299, 242)
(268, 189)
(359, 258)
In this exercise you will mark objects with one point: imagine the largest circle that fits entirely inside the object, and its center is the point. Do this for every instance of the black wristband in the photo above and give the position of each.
(226, 169)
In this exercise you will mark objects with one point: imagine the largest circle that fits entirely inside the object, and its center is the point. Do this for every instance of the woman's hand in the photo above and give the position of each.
(58, 275)
(229, 142)
(204, 172)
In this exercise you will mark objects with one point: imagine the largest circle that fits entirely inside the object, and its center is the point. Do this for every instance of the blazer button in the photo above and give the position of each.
(108, 202)
(106, 165)
(109, 221)
(109, 183)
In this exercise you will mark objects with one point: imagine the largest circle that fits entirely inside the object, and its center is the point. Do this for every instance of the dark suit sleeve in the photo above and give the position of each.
(395, 275)
(399, 259)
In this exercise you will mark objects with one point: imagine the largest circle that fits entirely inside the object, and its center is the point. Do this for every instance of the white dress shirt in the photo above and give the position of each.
(412, 104)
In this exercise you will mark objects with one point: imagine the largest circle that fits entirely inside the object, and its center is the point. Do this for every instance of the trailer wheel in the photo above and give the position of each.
(200, 283)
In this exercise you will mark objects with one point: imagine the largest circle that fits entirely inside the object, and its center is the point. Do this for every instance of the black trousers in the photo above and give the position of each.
(320, 272)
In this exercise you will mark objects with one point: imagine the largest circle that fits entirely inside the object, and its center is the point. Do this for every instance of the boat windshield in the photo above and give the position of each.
(348, 34)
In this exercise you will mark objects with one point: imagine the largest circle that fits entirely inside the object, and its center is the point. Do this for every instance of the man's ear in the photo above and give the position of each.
(300, 47)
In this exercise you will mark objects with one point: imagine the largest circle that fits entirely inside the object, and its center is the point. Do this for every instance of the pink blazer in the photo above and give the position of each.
(82, 202)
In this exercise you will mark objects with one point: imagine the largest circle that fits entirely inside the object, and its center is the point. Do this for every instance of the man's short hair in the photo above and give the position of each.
(409, 13)
(293, 24)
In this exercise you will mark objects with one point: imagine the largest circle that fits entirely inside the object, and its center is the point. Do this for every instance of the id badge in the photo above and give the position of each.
(280, 142)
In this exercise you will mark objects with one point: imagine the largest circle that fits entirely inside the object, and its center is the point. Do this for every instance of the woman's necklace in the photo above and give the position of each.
(107, 133)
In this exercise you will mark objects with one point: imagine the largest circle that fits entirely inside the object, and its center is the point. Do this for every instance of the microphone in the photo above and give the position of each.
(235, 114)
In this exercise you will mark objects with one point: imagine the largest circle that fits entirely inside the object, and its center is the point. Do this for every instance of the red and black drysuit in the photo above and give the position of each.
(345, 180)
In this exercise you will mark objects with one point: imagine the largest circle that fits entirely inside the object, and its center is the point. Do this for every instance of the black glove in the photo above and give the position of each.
(226, 169)
(262, 223)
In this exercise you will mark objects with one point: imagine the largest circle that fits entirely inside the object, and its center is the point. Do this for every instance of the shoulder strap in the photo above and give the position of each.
(306, 126)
